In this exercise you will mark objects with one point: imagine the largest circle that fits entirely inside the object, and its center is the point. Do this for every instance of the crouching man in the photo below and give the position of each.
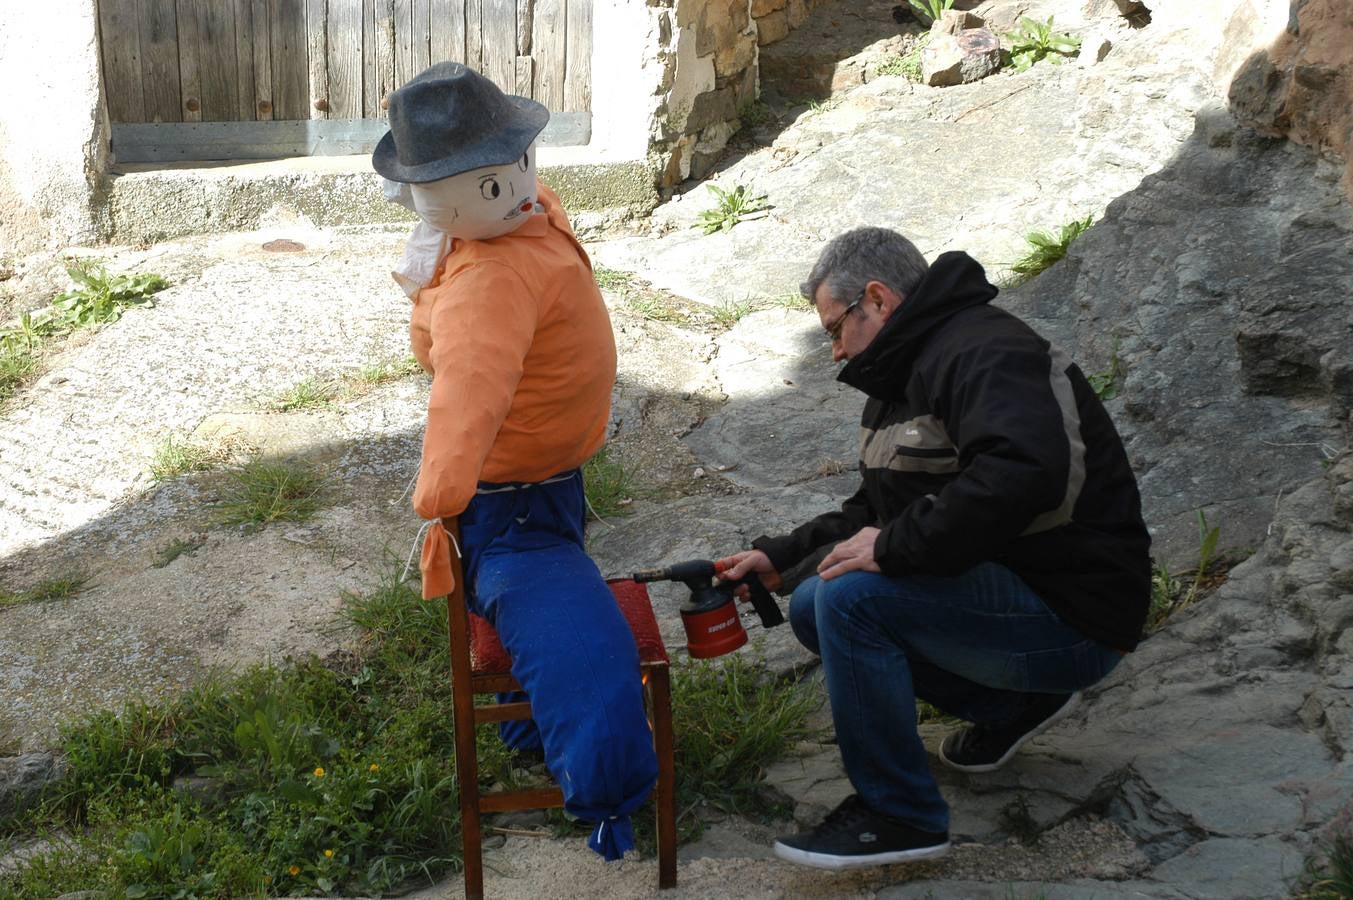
(993, 561)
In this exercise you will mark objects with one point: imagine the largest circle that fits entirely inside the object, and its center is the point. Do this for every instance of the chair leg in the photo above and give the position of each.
(660, 697)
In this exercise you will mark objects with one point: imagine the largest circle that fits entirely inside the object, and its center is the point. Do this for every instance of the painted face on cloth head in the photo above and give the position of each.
(482, 203)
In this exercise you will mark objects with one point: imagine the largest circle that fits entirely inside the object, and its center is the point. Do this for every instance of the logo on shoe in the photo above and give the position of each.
(868, 837)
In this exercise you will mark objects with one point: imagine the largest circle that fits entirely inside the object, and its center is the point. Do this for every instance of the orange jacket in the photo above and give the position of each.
(519, 344)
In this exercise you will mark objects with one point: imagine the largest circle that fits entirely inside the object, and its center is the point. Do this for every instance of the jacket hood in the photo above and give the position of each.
(954, 282)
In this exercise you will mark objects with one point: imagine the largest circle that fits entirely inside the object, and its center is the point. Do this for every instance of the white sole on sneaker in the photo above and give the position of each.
(1041, 727)
(831, 861)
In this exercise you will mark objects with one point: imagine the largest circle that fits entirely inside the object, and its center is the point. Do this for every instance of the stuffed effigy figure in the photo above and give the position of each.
(508, 319)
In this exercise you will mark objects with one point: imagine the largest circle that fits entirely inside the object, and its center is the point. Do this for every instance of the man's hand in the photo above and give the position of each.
(740, 565)
(854, 553)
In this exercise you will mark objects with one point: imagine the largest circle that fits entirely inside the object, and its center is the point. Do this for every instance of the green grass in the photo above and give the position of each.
(1174, 592)
(612, 279)
(731, 720)
(791, 300)
(335, 776)
(608, 484)
(176, 456)
(62, 588)
(176, 548)
(262, 492)
(18, 364)
(1046, 248)
(730, 312)
(311, 393)
(388, 370)
(1033, 40)
(908, 64)
(1330, 876)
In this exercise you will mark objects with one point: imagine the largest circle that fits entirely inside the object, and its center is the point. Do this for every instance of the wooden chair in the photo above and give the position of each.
(480, 665)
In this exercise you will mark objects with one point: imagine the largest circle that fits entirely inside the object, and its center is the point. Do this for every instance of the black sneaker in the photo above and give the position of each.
(985, 748)
(854, 835)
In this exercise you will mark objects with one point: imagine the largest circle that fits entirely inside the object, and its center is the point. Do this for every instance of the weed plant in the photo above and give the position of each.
(96, 298)
(1033, 40)
(62, 588)
(607, 484)
(333, 776)
(101, 297)
(1169, 594)
(261, 492)
(731, 207)
(791, 300)
(1105, 384)
(931, 8)
(1046, 248)
(612, 279)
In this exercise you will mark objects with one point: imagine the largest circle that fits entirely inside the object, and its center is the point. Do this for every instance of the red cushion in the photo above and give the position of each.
(487, 655)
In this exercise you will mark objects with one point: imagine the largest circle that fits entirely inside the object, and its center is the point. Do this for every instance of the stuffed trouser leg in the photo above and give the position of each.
(572, 650)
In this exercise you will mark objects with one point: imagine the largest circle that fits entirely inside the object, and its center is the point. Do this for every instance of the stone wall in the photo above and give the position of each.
(709, 53)
(1301, 87)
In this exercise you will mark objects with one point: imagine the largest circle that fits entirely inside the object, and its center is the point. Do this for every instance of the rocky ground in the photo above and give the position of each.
(1209, 764)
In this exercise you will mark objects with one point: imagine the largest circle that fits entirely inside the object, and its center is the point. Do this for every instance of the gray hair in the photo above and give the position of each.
(852, 260)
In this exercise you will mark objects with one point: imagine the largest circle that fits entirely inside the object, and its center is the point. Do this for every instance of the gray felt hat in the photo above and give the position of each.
(450, 119)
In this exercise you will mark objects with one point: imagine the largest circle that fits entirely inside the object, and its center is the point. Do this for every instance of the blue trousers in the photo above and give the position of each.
(572, 650)
(974, 646)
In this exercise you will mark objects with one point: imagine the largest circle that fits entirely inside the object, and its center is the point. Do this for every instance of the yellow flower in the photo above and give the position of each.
(328, 854)
(294, 871)
(373, 768)
(319, 771)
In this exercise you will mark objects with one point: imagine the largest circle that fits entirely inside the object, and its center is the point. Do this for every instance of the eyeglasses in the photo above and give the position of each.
(834, 329)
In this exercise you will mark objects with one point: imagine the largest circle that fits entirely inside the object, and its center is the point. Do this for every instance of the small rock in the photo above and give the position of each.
(971, 55)
(955, 21)
(1094, 48)
(283, 245)
(699, 472)
(23, 777)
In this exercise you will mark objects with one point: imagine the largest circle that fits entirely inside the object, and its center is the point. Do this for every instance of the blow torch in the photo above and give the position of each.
(710, 616)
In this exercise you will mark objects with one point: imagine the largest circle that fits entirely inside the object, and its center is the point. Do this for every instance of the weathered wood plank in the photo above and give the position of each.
(422, 35)
(262, 41)
(345, 59)
(317, 55)
(403, 26)
(448, 30)
(216, 57)
(190, 66)
(245, 110)
(474, 34)
(499, 43)
(524, 66)
(378, 55)
(578, 57)
(290, 66)
(184, 141)
(525, 16)
(549, 45)
(161, 85)
(120, 38)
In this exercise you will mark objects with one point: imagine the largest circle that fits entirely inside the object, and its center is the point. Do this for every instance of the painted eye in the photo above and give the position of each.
(489, 188)
(524, 162)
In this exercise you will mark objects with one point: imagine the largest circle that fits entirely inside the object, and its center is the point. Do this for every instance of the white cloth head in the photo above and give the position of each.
(473, 206)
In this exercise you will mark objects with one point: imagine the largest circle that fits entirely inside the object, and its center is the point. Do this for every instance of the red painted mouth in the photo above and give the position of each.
(527, 206)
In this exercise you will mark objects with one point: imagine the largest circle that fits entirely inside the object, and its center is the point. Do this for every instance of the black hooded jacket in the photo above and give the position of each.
(982, 441)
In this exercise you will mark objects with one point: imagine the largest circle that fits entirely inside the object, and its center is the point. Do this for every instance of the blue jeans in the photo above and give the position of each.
(572, 651)
(975, 646)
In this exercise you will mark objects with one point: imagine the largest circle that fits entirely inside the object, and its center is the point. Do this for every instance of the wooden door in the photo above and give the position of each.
(258, 79)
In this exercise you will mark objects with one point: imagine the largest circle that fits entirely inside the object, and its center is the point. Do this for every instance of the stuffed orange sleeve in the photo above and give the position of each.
(481, 326)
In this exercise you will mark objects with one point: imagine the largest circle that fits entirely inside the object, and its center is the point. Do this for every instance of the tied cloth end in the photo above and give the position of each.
(612, 838)
(435, 562)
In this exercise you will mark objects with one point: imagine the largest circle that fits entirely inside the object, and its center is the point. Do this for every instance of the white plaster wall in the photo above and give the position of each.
(627, 75)
(51, 124)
